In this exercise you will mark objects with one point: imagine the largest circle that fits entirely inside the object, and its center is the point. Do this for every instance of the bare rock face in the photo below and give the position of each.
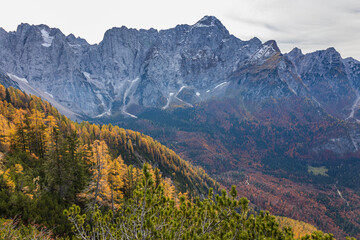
(179, 66)
(131, 70)
(329, 81)
(148, 68)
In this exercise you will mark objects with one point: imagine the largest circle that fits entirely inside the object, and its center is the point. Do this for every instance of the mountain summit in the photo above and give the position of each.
(132, 70)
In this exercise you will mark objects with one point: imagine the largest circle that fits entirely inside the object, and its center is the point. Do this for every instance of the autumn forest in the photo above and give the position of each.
(61, 179)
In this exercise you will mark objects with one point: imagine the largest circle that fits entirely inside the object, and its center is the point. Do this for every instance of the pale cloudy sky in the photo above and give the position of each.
(308, 24)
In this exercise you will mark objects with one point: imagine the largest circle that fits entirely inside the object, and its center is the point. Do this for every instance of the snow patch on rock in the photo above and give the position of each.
(49, 94)
(129, 93)
(16, 78)
(354, 107)
(106, 113)
(47, 38)
(168, 101)
(220, 85)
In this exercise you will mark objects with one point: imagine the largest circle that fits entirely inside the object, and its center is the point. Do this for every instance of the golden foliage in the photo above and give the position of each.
(29, 124)
(299, 228)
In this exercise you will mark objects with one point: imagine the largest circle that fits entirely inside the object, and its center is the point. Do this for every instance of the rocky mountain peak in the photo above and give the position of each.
(263, 52)
(181, 66)
(295, 53)
(328, 54)
(210, 22)
(2, 31)
(76, 40)
(22, 27)
(350, 59)
(273, 45)
(255, 40)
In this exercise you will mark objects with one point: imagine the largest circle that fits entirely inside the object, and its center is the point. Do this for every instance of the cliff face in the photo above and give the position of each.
(182, 66)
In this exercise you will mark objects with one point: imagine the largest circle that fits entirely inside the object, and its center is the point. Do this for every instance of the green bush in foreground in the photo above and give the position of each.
(150, 215)
(10, 229)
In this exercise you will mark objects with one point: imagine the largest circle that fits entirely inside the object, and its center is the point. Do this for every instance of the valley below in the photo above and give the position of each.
(268, 161)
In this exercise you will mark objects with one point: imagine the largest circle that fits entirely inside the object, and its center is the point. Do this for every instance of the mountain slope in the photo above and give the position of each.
(223, 103)
(132, 71)
(51, 162)
(145, 68)
(136, 69)
(48, 162)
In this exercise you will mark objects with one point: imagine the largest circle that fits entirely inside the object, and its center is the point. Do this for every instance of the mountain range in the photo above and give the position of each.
(246, 112)
(181, 66)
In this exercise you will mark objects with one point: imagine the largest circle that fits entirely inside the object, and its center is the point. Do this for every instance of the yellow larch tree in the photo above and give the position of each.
(6, 128)
(115, 178)
(99, 189)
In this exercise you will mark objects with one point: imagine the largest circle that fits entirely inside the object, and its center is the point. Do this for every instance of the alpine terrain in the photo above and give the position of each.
(283, 127)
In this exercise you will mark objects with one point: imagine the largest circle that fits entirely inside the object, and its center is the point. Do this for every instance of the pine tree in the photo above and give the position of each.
(149, 214)
(130, 179)
(37, 133)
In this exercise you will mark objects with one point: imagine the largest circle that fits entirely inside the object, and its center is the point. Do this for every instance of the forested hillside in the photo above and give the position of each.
(49, 162)
(62, 179)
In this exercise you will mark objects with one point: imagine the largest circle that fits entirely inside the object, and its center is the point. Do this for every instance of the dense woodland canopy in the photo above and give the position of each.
(48, 163)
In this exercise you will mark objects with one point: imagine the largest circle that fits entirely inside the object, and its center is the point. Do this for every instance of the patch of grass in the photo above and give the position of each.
(318, 170)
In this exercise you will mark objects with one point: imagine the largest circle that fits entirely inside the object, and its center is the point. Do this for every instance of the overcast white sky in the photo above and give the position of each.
(308, 24)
